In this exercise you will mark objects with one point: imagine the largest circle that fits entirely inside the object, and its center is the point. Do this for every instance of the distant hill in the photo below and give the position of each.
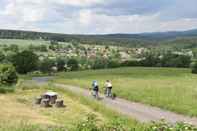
(156, 35)
(143, 39)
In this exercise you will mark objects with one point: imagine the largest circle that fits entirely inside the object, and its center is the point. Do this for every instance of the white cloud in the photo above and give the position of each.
(180, 24)
(37, 10)
(24, 11)
(85, 17)
(78, 2)
(91, 22)
(28, 14)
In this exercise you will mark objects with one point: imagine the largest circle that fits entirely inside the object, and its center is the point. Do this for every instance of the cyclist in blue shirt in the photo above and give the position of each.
(95, 88)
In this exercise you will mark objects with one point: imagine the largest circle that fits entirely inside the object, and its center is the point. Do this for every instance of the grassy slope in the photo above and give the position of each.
(168, 88)
(22, 42)
(17, 108)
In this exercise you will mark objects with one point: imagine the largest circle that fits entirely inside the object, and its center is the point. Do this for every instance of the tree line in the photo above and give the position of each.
(27, 61)
(127, 40)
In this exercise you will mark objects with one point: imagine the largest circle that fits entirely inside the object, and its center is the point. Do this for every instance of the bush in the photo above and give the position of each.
(4, 90)
(100, 63)
(117, 124)
(43, 48)
(113, 64)
(164, 126)
(25, 61)
(60, 64)
(131, 63)
(46, 65)
(2, 56)
(9, 56)
(91, 124)
(175, 60)
(194, 67)
(169, 59)
(151, 59)
(7, 74)
(14, 48)
(73, 64)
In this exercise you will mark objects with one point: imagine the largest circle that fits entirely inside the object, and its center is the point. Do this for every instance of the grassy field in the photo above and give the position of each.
(22, 43)
(19, 113)
(18, 106)
(168, 88)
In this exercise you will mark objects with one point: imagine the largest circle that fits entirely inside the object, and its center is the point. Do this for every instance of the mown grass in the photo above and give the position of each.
(24, 126)
(18, 106)
(18, 112)
(168, 88)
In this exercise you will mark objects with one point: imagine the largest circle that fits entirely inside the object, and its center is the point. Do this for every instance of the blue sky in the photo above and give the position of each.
(98, 16)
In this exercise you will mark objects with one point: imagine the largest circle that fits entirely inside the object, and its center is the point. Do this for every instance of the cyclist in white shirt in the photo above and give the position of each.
(108, 86)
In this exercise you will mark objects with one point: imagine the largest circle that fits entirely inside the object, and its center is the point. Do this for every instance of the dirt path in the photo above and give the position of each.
(140, 112)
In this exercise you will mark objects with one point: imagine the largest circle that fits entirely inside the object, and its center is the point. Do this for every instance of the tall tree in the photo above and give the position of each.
(25, 61)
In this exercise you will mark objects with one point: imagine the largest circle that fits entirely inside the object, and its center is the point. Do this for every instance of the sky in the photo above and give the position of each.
(98, 16)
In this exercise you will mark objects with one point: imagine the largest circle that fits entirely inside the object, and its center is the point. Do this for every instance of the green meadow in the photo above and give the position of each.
(22, 43)
(19, 113)
(168, 88)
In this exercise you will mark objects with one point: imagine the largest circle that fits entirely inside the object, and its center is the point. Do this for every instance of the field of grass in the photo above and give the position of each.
(26, 43)
(18, 111)
(168, 88)
(22, 43)
(18, 106)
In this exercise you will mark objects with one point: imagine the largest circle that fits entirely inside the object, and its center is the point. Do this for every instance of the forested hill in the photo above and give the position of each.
(143, 39)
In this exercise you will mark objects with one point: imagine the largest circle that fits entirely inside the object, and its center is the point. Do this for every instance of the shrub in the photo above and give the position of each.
(131, 63)
(25, 61)
(14, 48)
(113, 64)
(164, 126)
(73, 64)
(46, 65)
(4, 89)
(151, 59)
(54, 42)
(43, 48)
(7, 74)
(116, 124)
(90, 124)
(175, 60)
(194, 67)
(9, 56)
(169, 59)
(100, 63)
(60, 64)
(2, 56)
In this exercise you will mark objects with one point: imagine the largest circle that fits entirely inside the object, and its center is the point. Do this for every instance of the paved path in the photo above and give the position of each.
(140, 112)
